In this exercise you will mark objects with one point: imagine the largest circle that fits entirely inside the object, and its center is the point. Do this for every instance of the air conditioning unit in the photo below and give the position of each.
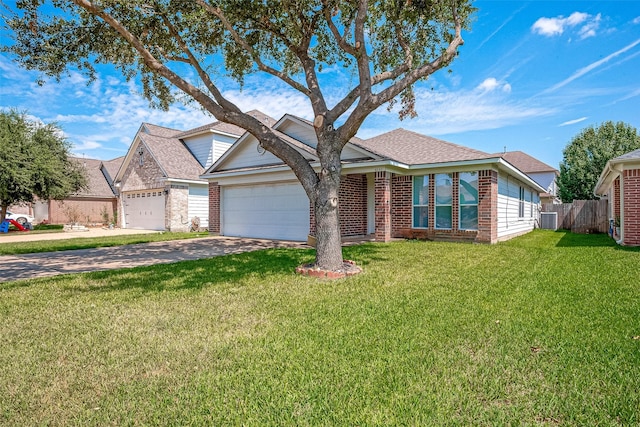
(549, 220)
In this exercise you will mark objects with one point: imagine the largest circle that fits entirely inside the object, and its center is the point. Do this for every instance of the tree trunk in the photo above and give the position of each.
(327, 221)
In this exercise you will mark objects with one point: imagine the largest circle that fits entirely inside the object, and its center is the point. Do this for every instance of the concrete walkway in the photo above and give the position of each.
(28, 266)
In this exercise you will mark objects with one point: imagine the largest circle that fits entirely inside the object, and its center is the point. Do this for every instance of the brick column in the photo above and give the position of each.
(214, 208)
(616, 198)
(487, 206)
(383, 206)
(631, 208)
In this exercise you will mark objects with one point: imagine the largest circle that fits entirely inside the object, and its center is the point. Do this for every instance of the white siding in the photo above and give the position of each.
(509, 220)
(547, 180)
(199, 204)
(247, 155)
(304, 134)
(209, 147)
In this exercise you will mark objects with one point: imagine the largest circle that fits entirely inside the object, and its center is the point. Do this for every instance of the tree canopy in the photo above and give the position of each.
(179, 47)
(585, 157)
(34, 162)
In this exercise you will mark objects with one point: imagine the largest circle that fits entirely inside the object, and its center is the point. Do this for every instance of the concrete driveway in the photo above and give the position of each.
(28, 266)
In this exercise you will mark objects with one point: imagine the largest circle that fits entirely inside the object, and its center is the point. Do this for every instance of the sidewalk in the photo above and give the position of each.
(29, 236)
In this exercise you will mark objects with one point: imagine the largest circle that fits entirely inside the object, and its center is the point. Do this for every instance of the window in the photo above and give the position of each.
(444, 199)
(521, 205)
(468, 190)
(530, 201)
(421, 201)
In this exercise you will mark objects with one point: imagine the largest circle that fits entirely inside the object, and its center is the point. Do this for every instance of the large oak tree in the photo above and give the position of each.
(388, 46)
(35, 162)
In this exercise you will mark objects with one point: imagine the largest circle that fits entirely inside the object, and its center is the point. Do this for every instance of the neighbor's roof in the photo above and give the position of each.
(112, 166)
(227, 127)
(97, 185)
(525, 162)
(412, 148)
(633, 155)
(174, 158)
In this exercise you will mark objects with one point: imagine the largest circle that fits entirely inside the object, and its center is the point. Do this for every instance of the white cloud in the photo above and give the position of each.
(445, 112)
(573, 122)
(550, 27)
(490, 84)
(636, 20)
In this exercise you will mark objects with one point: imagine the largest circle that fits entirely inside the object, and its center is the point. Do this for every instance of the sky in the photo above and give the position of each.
(530, 77)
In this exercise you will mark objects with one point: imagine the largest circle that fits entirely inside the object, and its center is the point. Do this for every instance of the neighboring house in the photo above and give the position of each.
(620, 183)
(159, 181)
(90, 206)
(540, 172)
(398, 184)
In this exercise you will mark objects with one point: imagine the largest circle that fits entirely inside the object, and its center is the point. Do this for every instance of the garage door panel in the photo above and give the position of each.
(144, 210)
(274, 211)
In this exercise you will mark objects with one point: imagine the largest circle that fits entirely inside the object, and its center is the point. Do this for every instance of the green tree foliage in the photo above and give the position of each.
(178, 47)
(585, 157)
(34, 162)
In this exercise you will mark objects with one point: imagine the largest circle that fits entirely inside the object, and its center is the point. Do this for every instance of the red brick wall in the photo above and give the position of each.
(631, 217)
(383, 208)
(401, 204)
(353, 205)
(616, 198)
(214, 207)
(487, 206)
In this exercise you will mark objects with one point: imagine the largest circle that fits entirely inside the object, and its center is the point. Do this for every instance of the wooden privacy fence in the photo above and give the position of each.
(581, 216)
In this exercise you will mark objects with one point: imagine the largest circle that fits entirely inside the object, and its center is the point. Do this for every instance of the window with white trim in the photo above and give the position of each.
(468, 195)
(521, 204)
(444, 201)
(421, 201)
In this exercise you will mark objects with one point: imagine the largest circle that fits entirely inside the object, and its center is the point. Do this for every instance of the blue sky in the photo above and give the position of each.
(530, 76)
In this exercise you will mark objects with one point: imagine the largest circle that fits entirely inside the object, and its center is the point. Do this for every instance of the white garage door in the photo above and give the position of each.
(272, 211)
(144, 209)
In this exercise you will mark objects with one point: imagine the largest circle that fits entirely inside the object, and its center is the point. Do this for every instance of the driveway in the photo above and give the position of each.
(29, 266)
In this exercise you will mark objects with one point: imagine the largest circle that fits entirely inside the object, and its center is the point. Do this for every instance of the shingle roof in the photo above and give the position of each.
(228, 127)
(97, 185)
(633, 155)
(525, 162)
(173, 157)
(112, 166)
(412, 148)
(161, 130)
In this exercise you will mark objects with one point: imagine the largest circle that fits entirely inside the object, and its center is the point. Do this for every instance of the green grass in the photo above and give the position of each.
(9, 248)
(540, 330)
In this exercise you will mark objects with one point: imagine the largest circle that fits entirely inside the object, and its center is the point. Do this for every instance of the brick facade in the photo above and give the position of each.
(616, 198)
(383, 206)
(214, 208)
(394, 208)
(177, 208)
(487, 206)
(631, 206)
(353, 205)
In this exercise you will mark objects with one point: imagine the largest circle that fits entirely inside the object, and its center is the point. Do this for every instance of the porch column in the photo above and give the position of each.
(631, 208)
(383, 206)
(214, 208)
(487, 206)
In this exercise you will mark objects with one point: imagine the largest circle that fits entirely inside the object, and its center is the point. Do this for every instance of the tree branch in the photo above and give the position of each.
(217, 12)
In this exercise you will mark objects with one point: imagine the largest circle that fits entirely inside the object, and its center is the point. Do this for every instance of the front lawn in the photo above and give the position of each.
(541, 330)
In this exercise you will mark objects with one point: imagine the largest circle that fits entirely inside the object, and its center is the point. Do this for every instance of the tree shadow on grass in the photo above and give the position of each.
(572, 240)
(237, 270)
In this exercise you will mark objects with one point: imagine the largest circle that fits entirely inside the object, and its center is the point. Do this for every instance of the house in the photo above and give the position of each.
(620, 183)
(398, 184)
(545, 175)
(93, 205)
(159, 181)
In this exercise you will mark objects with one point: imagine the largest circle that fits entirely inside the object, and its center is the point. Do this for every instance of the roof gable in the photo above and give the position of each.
(525, 162)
